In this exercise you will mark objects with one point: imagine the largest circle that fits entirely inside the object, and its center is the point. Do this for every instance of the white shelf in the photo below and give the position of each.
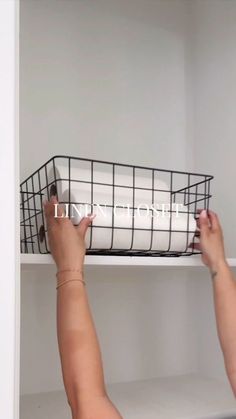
(184, 397)
(96, 260)
(90, 260)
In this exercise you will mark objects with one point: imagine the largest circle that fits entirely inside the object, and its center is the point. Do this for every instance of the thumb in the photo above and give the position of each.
(214, 220)
(84, 224)
(204, 222)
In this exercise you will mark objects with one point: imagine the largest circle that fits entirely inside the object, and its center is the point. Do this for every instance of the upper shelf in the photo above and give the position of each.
(185, 261)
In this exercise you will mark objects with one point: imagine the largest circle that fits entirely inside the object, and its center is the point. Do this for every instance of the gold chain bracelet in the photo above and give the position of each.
(61, 281)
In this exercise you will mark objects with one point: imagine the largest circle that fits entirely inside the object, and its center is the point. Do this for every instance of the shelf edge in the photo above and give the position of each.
(92, 260)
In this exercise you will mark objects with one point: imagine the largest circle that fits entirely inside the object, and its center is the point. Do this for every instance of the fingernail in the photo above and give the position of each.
(203, 214)
(92, 216)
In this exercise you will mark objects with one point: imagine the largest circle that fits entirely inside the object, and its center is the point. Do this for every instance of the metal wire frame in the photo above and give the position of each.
(193, 191)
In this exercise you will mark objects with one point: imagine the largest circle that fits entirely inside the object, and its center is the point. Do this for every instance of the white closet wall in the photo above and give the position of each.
(141, 315)
(103, 79)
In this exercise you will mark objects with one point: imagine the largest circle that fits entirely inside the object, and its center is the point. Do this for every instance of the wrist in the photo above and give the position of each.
(68, 271)
(69, 276)
(218, 266)
(70, 266)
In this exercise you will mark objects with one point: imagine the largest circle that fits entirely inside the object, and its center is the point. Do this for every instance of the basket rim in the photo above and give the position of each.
(61, 156)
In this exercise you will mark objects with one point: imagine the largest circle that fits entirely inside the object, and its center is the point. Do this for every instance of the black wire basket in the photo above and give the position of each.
(141, 211)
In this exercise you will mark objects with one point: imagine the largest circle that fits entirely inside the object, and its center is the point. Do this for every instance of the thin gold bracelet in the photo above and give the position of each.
(61, 282)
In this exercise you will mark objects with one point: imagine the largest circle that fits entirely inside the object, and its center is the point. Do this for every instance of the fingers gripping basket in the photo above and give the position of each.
(139, 210)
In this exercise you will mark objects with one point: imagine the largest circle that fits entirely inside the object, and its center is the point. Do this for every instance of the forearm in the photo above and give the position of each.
(224, 286)
(78, 344)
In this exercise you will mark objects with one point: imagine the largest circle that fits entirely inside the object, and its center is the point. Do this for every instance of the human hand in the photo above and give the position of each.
(211, 240)
(66, 242)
